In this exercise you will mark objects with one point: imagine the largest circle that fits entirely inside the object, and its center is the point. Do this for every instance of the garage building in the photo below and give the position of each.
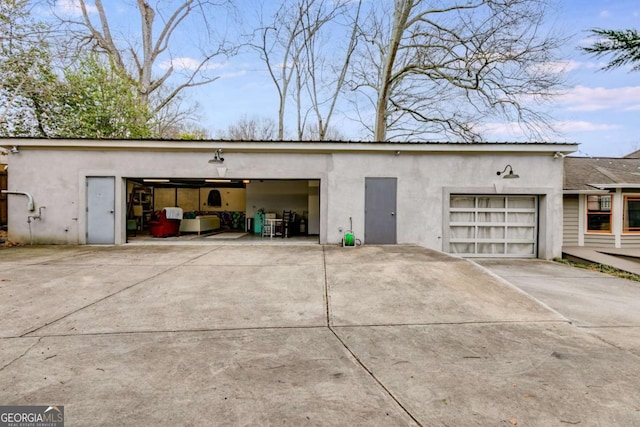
(471, 199)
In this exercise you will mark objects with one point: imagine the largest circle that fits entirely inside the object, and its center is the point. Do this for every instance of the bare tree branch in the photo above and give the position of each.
(138, 55)
(300, 66)
(464, 60)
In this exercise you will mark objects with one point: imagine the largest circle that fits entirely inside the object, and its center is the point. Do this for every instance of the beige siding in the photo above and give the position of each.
(630, 241)
(571, 215)
(607, 240)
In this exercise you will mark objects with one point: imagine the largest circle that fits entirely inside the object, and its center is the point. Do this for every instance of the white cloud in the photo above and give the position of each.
(190, 64)
(588, 41)
(604, 14)
(513, 131)
(558, 67)
(582, 126)
(284, 65)
(582, 98)
(595, 65)
(72, 8)
(501, 129)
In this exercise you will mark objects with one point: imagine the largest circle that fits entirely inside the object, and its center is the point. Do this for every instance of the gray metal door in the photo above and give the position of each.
(380, 210)
(100, 210)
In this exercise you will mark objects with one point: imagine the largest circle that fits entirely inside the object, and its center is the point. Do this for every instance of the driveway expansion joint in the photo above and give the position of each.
(180, 331)
(473, 322)
(374, 377)
(355, 357)
(21, 355)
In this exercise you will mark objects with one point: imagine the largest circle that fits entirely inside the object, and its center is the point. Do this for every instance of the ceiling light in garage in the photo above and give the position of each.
(155, 180)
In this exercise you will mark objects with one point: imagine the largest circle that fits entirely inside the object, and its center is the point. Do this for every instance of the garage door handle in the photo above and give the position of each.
(111, 211)
(393, 213)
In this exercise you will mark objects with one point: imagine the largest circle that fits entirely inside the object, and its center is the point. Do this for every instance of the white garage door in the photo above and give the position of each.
(493, 226)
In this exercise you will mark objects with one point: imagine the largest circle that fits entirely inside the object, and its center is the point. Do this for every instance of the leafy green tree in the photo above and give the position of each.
(99, 102)
(624, 45)
(93, 98)
(143, 53)
(27, 80)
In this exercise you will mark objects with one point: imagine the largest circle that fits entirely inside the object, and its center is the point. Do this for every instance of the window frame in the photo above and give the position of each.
(599, 212)
(625, 227)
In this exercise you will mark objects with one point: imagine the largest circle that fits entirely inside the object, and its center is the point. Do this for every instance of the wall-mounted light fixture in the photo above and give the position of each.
(14, 150)
(510, 175)
(217, 158)
(559, 155)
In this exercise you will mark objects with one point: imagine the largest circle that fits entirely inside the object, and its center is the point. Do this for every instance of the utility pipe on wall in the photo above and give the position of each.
(30, 205)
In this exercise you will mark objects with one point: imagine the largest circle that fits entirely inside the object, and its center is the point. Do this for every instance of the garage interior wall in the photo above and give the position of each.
(195, 199)
(188, 199)
(277, 196)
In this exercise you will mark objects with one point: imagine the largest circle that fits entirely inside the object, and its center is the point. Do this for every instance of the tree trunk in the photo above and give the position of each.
(401, 12)
(147, 16)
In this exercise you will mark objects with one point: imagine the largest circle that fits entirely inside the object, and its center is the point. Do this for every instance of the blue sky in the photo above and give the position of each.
(599, 110)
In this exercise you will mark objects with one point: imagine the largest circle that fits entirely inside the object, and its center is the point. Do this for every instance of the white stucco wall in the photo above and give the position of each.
(426, 180)
(60, 186)
(56, 178)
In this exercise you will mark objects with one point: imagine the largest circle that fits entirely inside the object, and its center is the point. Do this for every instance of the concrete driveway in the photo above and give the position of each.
(295, 335)
(603, 305)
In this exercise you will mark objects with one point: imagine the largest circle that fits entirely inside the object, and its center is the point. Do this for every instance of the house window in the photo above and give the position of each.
(599, 213)
(631, 214)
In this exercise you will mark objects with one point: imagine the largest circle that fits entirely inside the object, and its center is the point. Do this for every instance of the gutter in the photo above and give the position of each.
(210, 146)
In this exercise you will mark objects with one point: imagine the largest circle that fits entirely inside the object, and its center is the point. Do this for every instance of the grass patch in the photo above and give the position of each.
(601, 268)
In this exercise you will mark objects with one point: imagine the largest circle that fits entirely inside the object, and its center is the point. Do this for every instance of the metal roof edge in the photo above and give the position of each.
(285, 146)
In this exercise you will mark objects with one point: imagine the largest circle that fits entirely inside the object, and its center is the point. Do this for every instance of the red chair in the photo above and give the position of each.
(163, 227)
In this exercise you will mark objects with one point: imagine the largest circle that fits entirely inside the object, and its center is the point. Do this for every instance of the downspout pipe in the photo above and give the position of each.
(30, 205)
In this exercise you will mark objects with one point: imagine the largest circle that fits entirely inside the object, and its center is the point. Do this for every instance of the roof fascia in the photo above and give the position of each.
(289, 147)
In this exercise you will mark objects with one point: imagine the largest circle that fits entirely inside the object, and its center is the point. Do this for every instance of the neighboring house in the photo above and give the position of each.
(445, 196)
(602, 201)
